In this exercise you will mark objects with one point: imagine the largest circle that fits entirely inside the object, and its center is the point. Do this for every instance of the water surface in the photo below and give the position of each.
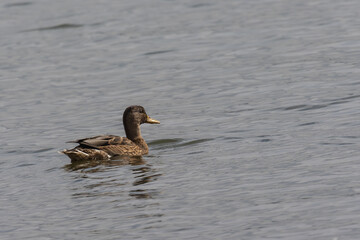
(258, 103)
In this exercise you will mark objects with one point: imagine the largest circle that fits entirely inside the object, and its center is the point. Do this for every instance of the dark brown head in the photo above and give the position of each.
(136, 115)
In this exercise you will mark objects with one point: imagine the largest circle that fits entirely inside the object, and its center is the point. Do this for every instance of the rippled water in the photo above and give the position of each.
(258, 103)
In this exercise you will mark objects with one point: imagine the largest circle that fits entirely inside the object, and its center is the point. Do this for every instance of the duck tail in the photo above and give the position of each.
(75, 154)
(84, 154)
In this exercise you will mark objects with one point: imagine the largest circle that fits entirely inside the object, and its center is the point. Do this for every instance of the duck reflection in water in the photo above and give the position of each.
(88, 166)
(143, 173)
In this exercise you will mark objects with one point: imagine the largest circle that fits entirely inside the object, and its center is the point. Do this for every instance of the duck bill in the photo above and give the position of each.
(152, 121)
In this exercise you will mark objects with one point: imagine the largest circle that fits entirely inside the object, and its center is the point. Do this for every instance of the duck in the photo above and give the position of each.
(106, 147)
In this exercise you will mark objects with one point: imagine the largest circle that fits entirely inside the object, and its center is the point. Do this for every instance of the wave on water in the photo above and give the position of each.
(56, 27)
(175, 142)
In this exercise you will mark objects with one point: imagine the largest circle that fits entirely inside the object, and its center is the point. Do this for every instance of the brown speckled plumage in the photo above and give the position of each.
(105, 147)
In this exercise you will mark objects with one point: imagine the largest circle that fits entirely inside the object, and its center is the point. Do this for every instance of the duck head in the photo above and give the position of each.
(132, 118)
(137, 115)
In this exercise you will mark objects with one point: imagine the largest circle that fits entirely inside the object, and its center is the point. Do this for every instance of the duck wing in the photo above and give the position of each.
(112, 145)
(102, 141)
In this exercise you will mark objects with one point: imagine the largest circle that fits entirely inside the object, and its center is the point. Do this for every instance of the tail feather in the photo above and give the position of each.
(79, 154)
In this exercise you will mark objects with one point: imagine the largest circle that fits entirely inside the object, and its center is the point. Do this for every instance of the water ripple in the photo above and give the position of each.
(157, 52)
(56, 27)
(306, 107)
(17, 4)
(176, 142)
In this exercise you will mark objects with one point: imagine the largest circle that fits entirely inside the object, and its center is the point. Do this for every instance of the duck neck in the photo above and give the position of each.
(134, 134)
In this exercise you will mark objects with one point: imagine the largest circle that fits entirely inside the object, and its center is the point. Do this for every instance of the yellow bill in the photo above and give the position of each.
(152, 121)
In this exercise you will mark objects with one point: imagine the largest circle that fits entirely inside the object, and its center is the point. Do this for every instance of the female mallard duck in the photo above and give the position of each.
(107, 146)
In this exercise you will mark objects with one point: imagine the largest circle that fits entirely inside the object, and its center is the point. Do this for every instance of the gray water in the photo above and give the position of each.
(258, 103)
